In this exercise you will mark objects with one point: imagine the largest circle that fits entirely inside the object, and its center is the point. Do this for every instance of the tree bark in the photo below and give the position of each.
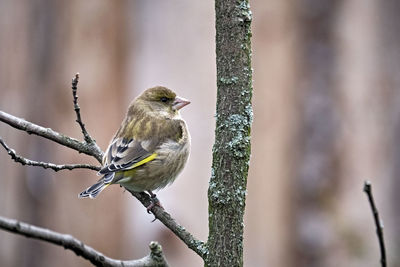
(231, 151)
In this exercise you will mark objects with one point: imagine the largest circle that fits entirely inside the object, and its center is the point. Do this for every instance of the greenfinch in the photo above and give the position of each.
(151, 146)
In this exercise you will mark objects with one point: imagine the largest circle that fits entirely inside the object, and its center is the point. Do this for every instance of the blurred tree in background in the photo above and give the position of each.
(326, 117)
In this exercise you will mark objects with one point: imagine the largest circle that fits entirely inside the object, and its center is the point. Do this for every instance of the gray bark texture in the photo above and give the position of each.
(231, 151)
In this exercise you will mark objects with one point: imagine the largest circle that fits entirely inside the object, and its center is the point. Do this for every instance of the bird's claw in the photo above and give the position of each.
(154, 202)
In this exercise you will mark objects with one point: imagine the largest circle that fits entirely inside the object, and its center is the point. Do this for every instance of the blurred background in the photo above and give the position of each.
(327, 117)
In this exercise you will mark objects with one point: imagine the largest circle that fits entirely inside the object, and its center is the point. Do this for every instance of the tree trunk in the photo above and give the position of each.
(231, 152)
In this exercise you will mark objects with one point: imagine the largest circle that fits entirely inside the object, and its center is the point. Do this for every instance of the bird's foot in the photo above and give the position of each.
(154, 202)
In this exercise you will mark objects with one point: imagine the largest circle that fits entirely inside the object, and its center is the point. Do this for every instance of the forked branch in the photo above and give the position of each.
(164, 217)
(88, 147)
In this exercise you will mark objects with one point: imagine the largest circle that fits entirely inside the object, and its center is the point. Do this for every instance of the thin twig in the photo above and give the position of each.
(86, 135)
(93, 150)
(196, 245)
(45, 165)
(31, 128)
(193, 243)
(156, 257)
(378, 222)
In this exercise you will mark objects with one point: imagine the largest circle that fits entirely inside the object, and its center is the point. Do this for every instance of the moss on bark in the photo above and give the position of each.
(231, 151)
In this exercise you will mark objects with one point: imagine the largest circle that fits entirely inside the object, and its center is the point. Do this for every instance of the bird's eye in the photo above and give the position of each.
(164, 99)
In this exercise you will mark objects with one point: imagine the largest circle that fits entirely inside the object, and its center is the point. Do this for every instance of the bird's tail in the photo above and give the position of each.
(94, 190)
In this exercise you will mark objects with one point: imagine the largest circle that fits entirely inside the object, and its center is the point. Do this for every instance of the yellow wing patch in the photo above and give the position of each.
(143, 161)
(131, 170)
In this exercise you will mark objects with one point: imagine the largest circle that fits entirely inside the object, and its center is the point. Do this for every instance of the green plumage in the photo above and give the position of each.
(150, 148)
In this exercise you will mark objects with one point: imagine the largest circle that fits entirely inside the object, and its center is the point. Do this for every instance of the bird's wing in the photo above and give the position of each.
(125, 154)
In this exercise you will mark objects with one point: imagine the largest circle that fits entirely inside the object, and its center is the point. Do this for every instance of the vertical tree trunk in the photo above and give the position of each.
(231, 152)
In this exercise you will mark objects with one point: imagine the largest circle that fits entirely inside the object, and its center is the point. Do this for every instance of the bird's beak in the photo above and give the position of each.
(179, 103)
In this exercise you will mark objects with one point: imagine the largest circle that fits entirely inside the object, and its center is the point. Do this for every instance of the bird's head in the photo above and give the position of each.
(161, 101)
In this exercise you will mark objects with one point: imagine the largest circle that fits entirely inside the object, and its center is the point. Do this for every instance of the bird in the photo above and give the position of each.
(150, 148)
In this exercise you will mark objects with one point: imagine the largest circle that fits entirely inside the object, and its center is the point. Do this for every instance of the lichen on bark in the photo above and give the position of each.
(231, 151)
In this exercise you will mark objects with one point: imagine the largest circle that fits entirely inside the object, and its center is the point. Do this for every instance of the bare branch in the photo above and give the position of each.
(193, 243)
(378, 222)
(90, 149)
(196, 245)
(46, 165)
(156, 257)
(88, 139)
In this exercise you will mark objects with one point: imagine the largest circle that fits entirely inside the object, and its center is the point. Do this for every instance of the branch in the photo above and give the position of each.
(90, 149)
(156, 257)
(45, 165)
(196, 245)
(193, 243)
(378, 222)
(88, 139)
